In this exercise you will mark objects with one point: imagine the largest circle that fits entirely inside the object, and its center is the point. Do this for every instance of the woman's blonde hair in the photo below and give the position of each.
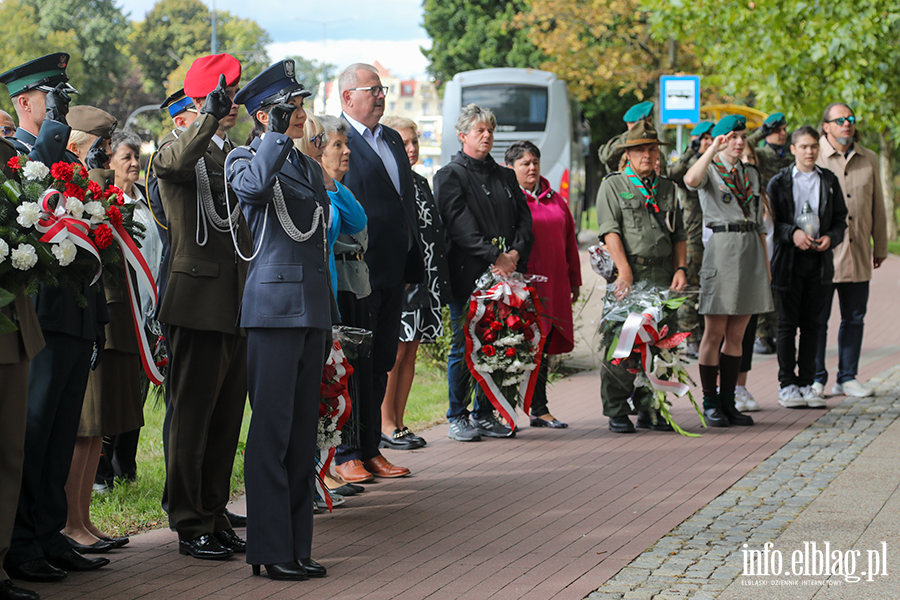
(311, 128)
(398, 123)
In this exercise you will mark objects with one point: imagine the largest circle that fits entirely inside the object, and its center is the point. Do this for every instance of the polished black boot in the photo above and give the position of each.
(289, 571)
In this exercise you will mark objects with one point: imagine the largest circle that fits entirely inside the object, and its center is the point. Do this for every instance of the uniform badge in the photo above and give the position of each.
(63, 61)
(288, 68)
(626, 195)
(727, 198)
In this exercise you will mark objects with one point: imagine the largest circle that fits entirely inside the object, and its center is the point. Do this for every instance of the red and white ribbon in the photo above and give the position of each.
(57, 225)
(343, 370)
(639, 332)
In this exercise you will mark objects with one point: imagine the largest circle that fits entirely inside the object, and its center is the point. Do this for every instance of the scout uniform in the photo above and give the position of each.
(649, 239)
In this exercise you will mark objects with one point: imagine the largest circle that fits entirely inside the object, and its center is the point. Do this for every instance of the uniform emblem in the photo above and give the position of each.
(288, 68)
(626, 195)
(63, 60)
(727, 198)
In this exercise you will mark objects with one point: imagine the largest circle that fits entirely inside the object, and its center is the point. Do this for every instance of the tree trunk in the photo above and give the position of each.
(886, 147)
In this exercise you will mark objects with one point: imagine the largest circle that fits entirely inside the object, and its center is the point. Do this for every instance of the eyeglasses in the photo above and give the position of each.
(8, 131)
(318, 141)
(374, 90)
(840, 120)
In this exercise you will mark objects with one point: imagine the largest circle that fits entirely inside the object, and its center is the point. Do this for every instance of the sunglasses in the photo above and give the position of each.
(318, 141)
(375, 90)
(840, 120)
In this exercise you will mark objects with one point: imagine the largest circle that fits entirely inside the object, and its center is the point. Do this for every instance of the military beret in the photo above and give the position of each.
(729, 123)
(90, 119)
(638, 112)
(43, 73)
(273, 85)
(702, 127)
(775, 119)
(203, 76)
(177, 103)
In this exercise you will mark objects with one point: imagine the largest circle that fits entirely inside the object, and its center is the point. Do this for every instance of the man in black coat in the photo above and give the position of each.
(488, 222)
(802, 266)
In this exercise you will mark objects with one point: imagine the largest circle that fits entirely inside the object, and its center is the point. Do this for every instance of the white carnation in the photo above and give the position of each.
(96, 210)
(64, 252)
(74, 206)
(29, 214)
(4, 250)
(35, 170)
(24, 257)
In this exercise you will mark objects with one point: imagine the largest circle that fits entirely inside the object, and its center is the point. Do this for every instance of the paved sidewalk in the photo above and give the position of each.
(559, 514)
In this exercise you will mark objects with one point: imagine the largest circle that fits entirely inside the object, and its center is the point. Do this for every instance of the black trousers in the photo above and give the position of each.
(57, 380)
(539, 398)
(800, 307)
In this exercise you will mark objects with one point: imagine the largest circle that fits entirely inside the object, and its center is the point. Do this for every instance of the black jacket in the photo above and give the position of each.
(480, 202)
(832, 222)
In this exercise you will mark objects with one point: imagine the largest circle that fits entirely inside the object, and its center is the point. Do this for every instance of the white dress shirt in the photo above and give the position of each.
(381, 147)
(805, 189)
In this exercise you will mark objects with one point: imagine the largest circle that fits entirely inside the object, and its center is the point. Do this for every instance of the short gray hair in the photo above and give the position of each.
(127, 137)
(332, 125)
(471, 114)
(348, 78)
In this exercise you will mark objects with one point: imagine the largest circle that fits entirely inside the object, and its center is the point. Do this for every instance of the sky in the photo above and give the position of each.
(388, 31)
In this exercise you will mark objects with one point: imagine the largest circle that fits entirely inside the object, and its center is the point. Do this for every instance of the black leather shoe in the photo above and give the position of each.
(714, 418)
(289, 571)
(70, 560)
(398, 441)
(118, 541)
(411, 436)
(37, 570)
(735, 417)
(553, 424)
(206, 547)
(230, 540)
(645, 421)
(235, 519)
(313, 569)
(10, 591)
(621, 424)
(98, 547)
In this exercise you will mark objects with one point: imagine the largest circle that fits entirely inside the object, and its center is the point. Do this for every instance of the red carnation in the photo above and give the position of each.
(488, 350)
(114, 216)
(323, 409)
(13, 163)
(514, 322)
(529, 334)
(114, 190)
(62, 171)
(510, 352)
(103, 236)
(95, 190)
(82, 172)
(75, 191)
(162, 363)
(490, 336)
(496, 325)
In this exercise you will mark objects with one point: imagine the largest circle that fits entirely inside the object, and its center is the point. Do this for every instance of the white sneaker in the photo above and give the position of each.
(743, 395)
(739, 402)
(819, 388)
(812, 399)
(852, 387)
(790, 397)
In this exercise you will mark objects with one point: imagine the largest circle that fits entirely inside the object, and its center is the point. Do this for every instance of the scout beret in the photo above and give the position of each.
(775, 119)
(641, 135)
(273, 85)
(43, 73)
(729, 123)
(91, 119)
(702, 127)
(203, 76)
(638, 112)
(177, 103)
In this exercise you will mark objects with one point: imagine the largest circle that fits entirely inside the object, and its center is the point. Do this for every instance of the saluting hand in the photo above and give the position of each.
(57, 104)
(722, 140)
(280, 117)
(96, 157)
(218, 104)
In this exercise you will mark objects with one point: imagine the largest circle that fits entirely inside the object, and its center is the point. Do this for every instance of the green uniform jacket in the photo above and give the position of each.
(206, 283)
(610, 156)
(770, 162)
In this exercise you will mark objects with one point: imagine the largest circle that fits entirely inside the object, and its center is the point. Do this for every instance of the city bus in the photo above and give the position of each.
(529, 105)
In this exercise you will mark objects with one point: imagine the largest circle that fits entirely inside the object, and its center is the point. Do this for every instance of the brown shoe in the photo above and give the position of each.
(353, 471)
(381, 467)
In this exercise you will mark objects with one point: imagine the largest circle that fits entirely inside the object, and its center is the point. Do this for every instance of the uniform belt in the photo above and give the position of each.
(648, 262)
(345, 256)
(734, 228)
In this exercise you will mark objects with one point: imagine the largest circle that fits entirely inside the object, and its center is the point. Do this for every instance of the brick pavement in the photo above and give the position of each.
(550, 514)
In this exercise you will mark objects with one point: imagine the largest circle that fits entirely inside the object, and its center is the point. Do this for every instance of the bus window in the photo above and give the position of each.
(517, 107)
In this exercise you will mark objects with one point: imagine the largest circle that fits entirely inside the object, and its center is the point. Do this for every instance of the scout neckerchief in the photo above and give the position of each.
(649, 196)
(735, 183)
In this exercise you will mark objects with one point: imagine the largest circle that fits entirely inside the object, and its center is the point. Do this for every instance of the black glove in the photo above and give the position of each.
(96, 158)
(218, 104)
(280, 117)
(57, 104)
(695, 145)
(99, 345)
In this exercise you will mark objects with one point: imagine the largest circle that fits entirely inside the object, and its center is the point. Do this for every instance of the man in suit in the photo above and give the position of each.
(381, 179)
(208, 365)
(58, 374)
(16, 350)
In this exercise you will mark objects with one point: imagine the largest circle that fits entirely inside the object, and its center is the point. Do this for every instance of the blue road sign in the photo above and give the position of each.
(679, 99)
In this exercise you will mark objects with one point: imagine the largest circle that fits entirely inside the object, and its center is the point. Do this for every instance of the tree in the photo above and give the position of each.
(309, 72)
(476, 34)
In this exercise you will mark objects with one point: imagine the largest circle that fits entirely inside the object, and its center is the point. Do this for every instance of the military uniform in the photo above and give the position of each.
(688, 317)
(649, 240)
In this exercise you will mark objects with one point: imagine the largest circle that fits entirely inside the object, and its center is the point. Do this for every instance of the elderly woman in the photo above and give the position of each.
(421, 320)
(481, 204)
(554, 255)
(735, 273)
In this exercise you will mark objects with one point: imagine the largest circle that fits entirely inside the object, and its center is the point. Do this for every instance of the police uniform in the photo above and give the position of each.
(288, 309)
(649, 240)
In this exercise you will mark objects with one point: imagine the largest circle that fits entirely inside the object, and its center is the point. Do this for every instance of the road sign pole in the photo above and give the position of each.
(678, 139)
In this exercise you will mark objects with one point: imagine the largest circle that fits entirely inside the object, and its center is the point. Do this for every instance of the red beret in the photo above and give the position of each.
(203, 76)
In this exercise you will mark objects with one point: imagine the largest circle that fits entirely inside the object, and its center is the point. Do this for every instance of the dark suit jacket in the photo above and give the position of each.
(289, 284)
(391, 216)
(49, 146)
(205, 283)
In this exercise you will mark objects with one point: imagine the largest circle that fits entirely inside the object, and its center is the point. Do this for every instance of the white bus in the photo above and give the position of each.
(529, 105)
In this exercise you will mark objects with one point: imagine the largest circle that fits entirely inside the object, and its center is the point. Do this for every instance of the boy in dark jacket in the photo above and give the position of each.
(802, 267)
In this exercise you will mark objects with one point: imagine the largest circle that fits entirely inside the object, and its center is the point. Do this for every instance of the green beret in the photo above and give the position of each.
(728, 124)
(775, 119)
(638, 112)
(702, 127)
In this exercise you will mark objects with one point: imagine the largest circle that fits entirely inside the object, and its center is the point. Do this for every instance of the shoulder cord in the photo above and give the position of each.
(206, 208)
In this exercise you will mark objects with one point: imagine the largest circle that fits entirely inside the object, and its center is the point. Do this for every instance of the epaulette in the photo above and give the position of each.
(608, 175)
